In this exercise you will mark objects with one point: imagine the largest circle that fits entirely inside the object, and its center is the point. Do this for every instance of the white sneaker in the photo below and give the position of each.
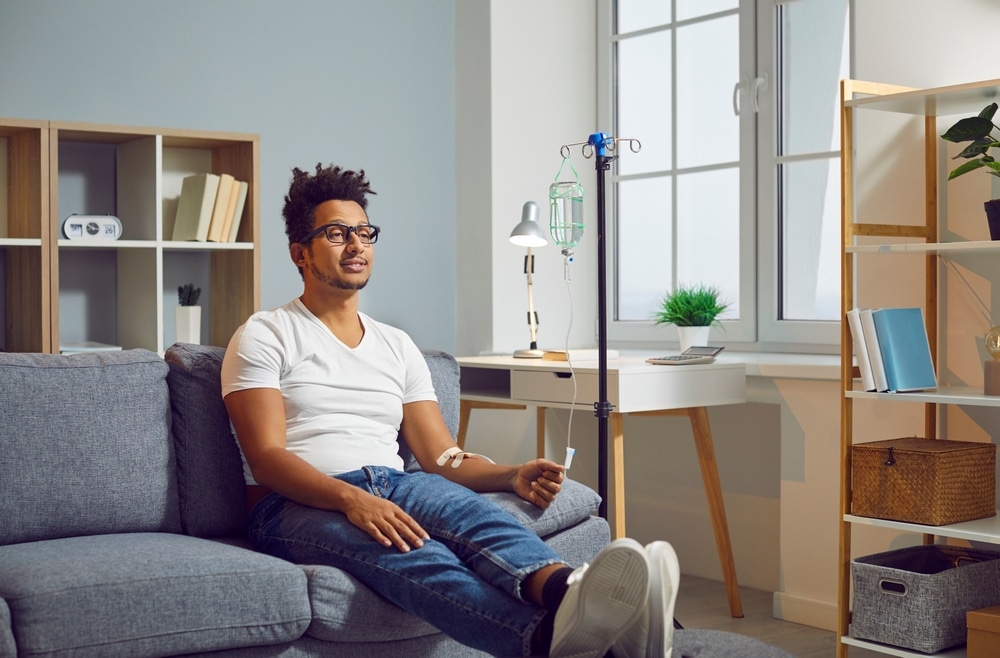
(602, 601)
(652, 634)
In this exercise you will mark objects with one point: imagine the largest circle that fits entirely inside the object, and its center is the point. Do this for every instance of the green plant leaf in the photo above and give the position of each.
(968, 129)
(976, 148)
(965, 168)
(696, 306)
(994, 167)
(989, 111)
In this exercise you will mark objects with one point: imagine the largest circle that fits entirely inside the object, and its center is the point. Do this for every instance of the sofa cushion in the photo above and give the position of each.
(344, 610)
(574, 503)
(209, 470)
(85, 444)
(7, 647)
(148, 594)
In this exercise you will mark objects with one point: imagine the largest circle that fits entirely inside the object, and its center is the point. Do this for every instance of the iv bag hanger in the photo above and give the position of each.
(598, 144)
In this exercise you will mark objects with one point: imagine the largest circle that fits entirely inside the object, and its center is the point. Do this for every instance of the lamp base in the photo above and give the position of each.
(528, 354)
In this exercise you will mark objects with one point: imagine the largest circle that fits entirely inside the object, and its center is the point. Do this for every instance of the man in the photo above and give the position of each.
(317, 392)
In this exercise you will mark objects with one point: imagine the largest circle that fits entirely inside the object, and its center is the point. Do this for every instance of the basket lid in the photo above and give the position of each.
(919, 444)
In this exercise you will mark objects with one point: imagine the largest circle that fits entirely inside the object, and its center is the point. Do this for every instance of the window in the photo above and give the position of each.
(737, 184)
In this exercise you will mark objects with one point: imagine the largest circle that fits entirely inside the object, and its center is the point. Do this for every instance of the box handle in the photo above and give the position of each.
(892, 587)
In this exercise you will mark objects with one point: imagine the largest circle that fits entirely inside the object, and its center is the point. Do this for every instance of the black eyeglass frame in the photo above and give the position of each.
(373, 238)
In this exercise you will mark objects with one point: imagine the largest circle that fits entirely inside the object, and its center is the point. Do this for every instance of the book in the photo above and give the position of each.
(222, 208)
(874, 352)
(861, 349)
(576, 355)
(194, 207)
(234, 221)
(906, 352)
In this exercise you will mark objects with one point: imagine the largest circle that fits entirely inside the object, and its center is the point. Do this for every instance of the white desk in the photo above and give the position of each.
(634, 387)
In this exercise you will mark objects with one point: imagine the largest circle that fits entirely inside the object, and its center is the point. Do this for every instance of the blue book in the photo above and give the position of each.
(906, 353)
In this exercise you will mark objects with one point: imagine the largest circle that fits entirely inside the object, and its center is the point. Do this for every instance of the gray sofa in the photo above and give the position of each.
(123, 523)
(123, 526)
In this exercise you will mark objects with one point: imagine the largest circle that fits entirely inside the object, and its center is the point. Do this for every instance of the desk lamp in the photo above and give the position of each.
(529, 234)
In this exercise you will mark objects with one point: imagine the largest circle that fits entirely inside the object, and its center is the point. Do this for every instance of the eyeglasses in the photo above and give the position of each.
(341, 233)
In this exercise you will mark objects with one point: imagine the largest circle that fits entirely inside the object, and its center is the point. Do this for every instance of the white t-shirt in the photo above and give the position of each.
(343, 406)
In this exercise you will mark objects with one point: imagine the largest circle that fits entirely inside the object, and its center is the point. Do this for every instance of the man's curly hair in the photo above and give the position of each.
(308, 191)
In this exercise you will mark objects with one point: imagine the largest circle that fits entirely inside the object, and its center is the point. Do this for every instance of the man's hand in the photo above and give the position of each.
(385, 522)
(538, 481)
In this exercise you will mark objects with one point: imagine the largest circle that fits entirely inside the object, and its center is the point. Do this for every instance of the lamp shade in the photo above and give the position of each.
(528, 233)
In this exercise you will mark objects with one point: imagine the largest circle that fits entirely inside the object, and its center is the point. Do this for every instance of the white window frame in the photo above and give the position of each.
(758, 328)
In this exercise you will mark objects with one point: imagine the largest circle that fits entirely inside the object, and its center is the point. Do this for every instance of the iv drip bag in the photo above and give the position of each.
(566, 213)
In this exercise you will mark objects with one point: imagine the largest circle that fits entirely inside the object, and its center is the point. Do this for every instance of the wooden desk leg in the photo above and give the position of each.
(618, 473)
(540, 432)
(465, 408)
(716, 506)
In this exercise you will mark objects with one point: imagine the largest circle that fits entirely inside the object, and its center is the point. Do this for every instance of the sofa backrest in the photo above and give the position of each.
(212, 493)
(85, 446)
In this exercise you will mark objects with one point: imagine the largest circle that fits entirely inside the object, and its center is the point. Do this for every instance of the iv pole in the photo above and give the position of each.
(601, 143)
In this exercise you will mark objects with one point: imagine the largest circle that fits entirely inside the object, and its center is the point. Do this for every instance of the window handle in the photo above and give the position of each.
(759, 85)
(736, 97)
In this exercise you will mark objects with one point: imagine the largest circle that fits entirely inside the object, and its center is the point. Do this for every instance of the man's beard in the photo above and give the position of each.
(338, 283)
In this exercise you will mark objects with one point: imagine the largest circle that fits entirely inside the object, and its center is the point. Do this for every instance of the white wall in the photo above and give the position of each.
(360, 84)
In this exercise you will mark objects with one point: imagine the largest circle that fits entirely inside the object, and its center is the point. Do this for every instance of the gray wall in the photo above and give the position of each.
(361, 84)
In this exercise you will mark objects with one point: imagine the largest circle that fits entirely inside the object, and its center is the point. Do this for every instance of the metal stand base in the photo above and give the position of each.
(528, 354)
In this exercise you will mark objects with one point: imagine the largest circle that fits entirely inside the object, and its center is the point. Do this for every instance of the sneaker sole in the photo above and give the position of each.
(613, 595)
(663, 565)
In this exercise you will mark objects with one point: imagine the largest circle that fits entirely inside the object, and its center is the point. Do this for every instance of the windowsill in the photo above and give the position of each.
(786, 366)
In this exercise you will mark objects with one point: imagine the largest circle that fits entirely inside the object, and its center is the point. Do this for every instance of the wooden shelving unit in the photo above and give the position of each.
(857, 97)
(122, 291)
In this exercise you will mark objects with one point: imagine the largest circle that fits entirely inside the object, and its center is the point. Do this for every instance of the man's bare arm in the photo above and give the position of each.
(538, 481)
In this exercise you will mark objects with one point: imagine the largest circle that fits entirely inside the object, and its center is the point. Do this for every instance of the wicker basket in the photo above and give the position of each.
(933, 482)
(917, 597)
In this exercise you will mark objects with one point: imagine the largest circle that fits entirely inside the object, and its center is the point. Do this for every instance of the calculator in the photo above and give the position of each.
(691, 356)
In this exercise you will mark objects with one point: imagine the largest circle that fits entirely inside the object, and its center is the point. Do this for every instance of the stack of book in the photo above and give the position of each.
(210, 208)
(892, 350)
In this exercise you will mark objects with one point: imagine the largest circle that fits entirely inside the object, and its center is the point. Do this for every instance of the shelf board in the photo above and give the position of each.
(107, 244)
(171, 245)
(984, 530)
(967, 395)
(940, 101)
(20, 242)
(957, 652)
(980, 246)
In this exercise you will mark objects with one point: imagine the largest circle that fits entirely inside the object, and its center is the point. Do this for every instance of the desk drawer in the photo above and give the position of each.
(547, 386)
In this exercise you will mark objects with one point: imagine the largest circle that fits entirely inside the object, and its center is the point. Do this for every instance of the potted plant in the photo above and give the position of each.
(188, 314)
(694, 310)
(978, 131)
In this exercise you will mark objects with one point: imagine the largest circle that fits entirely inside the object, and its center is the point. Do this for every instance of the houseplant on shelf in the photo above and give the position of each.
(978, 131)
(188, 314)
(694, 310)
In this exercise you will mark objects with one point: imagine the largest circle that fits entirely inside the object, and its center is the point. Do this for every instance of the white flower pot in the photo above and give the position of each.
(188, 323)
(690, 336)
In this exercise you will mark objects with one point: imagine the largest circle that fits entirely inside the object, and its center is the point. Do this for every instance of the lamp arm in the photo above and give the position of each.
(529, 268)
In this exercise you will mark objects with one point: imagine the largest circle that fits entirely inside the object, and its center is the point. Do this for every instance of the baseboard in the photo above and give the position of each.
(800, 610)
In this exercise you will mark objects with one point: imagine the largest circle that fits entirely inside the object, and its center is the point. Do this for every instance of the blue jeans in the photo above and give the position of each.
(466, 580)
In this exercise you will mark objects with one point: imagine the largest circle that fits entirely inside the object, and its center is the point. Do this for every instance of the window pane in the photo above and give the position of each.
(810, 248)
(693, 8)
(640, 14)
(708, 228)
(708, 67)
(645, 242)
(814, 58)
(644, 108)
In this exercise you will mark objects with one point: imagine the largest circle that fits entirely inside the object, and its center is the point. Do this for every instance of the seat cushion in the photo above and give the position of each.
(148, 594)
(344, 610)
(7, 647)
(86, 446)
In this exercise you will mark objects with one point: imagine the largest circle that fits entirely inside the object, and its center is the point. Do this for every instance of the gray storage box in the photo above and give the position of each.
(917, 597)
